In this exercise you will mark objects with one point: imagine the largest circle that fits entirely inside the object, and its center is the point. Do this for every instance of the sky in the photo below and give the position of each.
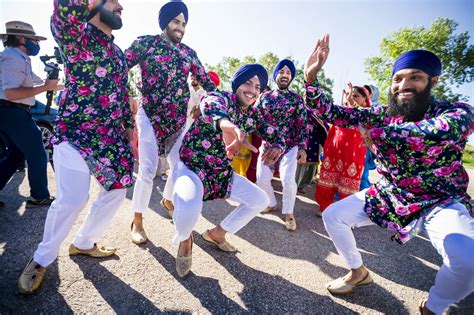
(287, 28)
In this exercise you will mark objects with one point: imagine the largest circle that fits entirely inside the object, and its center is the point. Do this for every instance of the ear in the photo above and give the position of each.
(434, 81)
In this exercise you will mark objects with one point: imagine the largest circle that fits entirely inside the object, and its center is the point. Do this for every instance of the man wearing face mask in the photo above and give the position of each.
(284, 109)
(92, 135)
(165, 64)
(18, 87)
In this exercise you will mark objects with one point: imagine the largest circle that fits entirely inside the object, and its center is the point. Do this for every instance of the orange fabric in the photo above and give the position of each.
(342, 166)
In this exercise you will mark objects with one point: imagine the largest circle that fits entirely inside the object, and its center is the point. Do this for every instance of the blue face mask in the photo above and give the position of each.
(32, 47)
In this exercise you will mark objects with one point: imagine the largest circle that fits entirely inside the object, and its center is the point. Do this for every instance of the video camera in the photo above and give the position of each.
(52, 69)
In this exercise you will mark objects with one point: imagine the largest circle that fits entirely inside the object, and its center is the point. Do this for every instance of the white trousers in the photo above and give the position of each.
(188, 203)
(148, 163)
(73, 184)
(287, 170)
(451, 232)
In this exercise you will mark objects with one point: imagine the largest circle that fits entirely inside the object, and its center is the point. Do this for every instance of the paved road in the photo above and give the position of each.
(275, 272)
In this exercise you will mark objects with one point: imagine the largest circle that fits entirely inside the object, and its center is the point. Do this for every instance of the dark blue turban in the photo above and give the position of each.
(247, 72)
(281, 64)
(422, 60)
(171, 10)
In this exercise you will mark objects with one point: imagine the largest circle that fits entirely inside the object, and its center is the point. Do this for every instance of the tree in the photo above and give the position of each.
(229, 65)
(453, 49)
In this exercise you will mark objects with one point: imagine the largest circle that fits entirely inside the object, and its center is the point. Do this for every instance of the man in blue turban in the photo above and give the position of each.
(205, 171)
(285, 110)
(419, 142)
(165, 65)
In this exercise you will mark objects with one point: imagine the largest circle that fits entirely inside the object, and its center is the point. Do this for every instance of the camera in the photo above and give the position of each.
(52, 68)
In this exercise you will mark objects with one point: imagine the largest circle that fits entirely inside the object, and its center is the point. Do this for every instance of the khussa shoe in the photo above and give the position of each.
(269, 209)
(37, 203)
(183, 263)
(31, 278)
(170, 209)
(225, 247)
(340, 286)
(138, 237)
(96, 252)
(290, 224)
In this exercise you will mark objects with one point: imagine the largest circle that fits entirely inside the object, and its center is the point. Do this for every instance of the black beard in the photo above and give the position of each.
(107, 17)
(282, 86)
(171, 36)
(411, 110)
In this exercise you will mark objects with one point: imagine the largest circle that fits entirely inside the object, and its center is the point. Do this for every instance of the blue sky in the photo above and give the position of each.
(287, 28)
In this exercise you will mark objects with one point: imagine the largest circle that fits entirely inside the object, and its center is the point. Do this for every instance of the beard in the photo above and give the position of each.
(172, 37)
(110, 19)
(283, 85)
(411, 110)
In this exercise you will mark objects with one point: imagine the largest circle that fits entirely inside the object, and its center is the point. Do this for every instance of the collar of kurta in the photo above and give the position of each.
(97, 31)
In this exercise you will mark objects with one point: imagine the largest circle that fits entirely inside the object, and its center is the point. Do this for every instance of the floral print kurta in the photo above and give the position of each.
(94, 110)
(165, 69)
(286, 111)
(203, 150)
(420, 161)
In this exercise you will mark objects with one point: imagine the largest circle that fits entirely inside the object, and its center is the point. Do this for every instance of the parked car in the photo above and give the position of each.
(45, 123)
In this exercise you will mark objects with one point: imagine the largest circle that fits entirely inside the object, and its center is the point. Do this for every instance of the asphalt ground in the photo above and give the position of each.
(276, 271)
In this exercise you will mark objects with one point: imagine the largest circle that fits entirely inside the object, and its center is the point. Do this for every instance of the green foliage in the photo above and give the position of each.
(468, 156)
(453, 49)
(134, 82)
(229, 65)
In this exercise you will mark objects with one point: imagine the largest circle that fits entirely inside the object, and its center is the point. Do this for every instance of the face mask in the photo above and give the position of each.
(107, 17)
(32, 47)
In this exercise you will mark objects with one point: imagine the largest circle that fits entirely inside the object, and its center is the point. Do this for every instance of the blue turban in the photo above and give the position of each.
(422, 60)
(171, 10)
(247, 72)
(281, 64)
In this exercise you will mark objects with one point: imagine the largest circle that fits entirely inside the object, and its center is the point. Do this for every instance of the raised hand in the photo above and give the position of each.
(317, 58)
(234, 138)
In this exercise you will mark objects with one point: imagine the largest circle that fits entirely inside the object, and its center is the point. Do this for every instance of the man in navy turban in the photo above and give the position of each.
(165, 64)
(419, 142)
(205, 171)
(285, 110)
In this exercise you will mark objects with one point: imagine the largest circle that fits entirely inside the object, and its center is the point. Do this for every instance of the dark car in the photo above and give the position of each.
(45, 123)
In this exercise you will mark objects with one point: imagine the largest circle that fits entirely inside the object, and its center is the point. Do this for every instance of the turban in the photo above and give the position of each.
(171, 10)
(247, 72)
(281, 64)
(422, 60)
(214, 78)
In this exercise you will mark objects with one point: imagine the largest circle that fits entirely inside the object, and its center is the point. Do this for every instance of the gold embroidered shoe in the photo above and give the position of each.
(96, 252)
(31, 278)
(138, 237)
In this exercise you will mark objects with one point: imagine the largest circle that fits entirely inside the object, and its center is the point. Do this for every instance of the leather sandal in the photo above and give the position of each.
(290, 224)
(170, 210)
(138, 237)
(183, 263)
(31, 278)
(96, 252)
(340, 286)
(225, 247)
(422, 306)
(269, 209)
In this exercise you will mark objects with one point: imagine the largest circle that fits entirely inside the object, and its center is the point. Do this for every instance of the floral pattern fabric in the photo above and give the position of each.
(165, 69)
(93, 111)
(286, 111)
(420, 161)
(203, 149)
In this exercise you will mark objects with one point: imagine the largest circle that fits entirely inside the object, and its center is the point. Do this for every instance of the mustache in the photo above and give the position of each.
(406, 90)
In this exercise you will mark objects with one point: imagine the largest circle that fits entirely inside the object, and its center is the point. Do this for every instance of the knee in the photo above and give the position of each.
(459, 250)
(329, 215)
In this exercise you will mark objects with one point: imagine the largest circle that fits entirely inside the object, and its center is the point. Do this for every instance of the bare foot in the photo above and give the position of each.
(186, 247)
(356, 275)
(137, 222)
